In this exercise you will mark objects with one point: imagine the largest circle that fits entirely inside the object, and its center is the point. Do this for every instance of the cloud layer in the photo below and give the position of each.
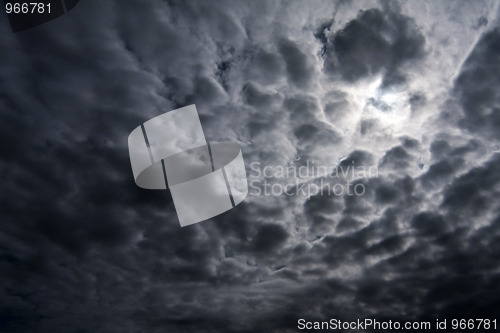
(408, 88)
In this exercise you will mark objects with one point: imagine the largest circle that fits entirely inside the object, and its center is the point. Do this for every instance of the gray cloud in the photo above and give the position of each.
(83, 249)
(374, 42)
(476, 85)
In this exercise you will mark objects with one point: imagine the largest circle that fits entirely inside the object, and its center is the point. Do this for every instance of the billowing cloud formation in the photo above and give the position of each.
(375, 41)
(477, 84)
(410, 89)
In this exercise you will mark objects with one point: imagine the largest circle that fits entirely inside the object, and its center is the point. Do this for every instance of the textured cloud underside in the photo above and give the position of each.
(409, 87)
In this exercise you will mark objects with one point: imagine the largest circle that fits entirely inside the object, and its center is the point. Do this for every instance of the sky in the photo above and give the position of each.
(409, 88)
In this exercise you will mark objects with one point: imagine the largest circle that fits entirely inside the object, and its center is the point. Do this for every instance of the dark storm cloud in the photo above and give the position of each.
(269, 237)
(318, 208)
(440, 172)
(66, 201)
(448, 160)
(395, 158)
(376, 41)
(83, 249)
(357, 158)
(267, 66)
(475, 191)
(257, 97)
(428, 224)
(315, 134)
(476, 86)
(299, 71)
(321, 34)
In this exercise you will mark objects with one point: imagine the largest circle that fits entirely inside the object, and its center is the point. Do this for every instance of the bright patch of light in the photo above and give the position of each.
(389, 98)
(388, 106)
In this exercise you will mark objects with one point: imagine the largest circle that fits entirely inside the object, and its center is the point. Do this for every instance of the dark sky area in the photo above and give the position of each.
(410, 87)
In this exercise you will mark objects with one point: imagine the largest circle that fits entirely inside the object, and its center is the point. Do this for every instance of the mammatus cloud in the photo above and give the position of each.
(475, 86)
(376, 41)
(407, 87)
